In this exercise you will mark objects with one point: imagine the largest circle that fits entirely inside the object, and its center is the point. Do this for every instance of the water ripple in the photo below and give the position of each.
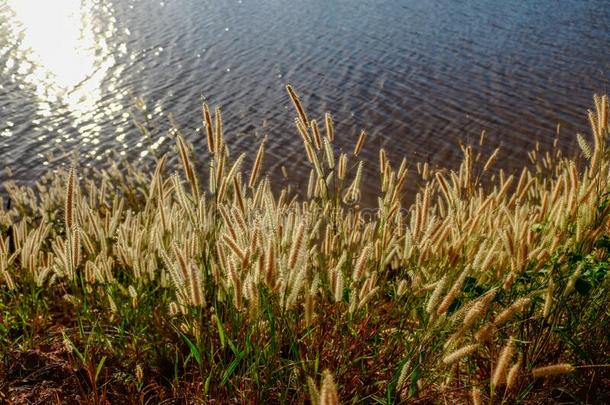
(419, 76)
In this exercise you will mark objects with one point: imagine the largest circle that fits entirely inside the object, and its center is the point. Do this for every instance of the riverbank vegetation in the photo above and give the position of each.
(206, 285)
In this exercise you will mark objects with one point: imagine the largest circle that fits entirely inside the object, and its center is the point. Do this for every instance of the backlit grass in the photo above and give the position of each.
(128, 286)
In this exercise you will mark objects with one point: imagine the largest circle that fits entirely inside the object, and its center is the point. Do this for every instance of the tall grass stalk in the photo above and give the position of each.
(226, 289)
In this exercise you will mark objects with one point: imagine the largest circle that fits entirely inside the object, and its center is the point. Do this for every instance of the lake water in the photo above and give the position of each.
(419, 76)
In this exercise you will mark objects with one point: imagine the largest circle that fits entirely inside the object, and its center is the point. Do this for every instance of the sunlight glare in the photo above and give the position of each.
(61, 56)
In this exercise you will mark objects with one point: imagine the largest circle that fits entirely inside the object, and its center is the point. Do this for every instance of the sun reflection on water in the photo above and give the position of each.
(65, 59)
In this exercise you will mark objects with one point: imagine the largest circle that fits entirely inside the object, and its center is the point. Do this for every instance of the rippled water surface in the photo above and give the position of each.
(419, 75)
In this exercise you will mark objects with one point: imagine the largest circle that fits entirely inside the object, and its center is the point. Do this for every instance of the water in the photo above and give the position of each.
(420, 76)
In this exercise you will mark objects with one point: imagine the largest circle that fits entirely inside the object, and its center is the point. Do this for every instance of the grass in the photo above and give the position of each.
(128, 286)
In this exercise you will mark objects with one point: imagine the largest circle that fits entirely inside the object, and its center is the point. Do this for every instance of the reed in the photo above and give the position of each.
(232, 290)
(460, 353)
(257, 164)
(504, 359)
(328, 392)
(513, 374)
(552, 370)
(360, 143)
(209, 129)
